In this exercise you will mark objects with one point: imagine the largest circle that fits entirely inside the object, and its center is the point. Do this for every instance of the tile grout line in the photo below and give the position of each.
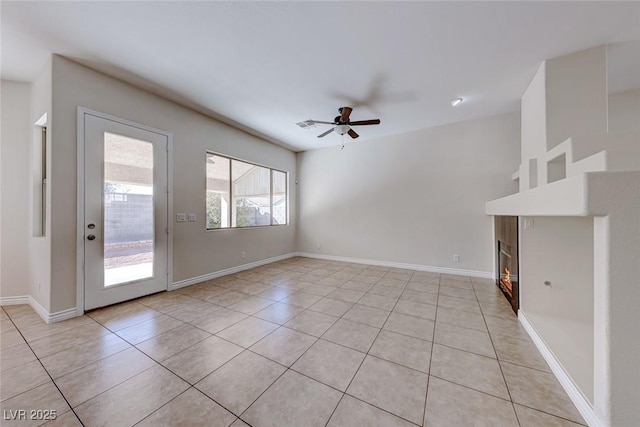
(356, 372)
(48, 374)
(200, 391)
(95, 361)
(159, 363)
(433, 338)
(317, 339)
(371, 346)
(197, 327)
(471, 388)
(367, 353)
(297, 290)
(498, 360)
(57, 333)
(341, 317)
(368, 350)
(114, 386)
(361, 362)
(190, 385)
(165, 404)
(288, 368)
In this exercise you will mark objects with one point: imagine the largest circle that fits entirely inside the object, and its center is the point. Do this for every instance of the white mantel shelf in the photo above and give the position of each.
(587, 194)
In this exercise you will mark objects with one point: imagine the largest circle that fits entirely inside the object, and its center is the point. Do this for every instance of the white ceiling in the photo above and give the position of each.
(267, 65)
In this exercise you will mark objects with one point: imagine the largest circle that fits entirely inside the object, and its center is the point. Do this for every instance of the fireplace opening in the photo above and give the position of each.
(506, 229)
(505, 279)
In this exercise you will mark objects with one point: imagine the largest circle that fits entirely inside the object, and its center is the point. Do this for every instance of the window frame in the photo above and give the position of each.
(231, 193)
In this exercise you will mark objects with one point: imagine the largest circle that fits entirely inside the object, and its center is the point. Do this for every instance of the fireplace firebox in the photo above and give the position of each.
(506, 230)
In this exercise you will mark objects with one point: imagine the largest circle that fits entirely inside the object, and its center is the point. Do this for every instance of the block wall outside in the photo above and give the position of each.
(128, 217)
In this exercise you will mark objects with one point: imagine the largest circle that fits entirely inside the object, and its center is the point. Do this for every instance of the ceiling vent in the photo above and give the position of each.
(307, 124)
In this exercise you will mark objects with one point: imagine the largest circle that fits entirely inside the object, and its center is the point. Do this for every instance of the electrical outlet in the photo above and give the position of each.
(243, 255)
(527, 223)
(192, 217)
(181, 217)
(456, 258)
(318, 246)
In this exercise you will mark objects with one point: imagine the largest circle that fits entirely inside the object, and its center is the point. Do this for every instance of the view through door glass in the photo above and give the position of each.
(128, 209)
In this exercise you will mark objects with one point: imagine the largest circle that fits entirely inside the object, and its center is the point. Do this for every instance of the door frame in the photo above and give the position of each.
(80, 230)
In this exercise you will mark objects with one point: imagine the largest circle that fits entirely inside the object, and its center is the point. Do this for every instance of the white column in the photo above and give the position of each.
(617, 302)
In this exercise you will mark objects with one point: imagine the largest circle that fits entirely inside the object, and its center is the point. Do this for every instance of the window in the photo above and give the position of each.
(241, 194)
(39, 171)
(218, 191)
(279, 180)
(43, 166)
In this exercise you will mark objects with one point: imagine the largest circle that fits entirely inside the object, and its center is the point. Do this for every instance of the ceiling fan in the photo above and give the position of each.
(343, 124)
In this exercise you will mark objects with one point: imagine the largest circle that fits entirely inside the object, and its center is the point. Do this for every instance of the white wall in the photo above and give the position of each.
(624, 111)
(560, 250)
(415, 198)
(14, 189)
(533, 134)
(40, 247)
(576, 95)
(566, 98)
(196, 251)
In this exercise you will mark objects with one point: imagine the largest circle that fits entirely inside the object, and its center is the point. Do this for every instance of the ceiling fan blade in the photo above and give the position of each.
(346, 111)
(323, 134)
(365, 122)
(321, 122)
(352, 133)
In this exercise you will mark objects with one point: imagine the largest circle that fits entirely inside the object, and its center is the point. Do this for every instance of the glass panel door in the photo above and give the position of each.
(126, 242)
(128, 209)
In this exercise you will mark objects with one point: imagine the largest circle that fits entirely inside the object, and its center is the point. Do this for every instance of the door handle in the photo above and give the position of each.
(91, 237)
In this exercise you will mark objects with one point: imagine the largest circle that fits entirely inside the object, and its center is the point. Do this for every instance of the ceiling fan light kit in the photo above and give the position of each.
(342, 124)
(341, 129)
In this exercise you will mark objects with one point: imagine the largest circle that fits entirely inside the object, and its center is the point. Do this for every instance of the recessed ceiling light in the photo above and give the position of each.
(455, 102)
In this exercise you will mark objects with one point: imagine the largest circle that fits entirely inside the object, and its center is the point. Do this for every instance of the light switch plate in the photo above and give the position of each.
(181, 217)
(192, 217)
(527, 223)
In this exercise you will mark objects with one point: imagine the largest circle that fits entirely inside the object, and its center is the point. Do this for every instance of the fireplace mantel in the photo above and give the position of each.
(612, 199)
(588, 194)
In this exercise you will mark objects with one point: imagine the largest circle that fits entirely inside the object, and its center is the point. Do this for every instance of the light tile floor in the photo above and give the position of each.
(300, 342)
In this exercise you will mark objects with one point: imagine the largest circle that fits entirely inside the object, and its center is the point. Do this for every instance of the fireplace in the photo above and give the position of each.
(506, 230)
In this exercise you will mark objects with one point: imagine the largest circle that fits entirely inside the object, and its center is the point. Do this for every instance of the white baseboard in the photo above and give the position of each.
(576, 396)
(198, 279)
(42, 312)
(63, 315)
(417, 267)
(23, 299)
